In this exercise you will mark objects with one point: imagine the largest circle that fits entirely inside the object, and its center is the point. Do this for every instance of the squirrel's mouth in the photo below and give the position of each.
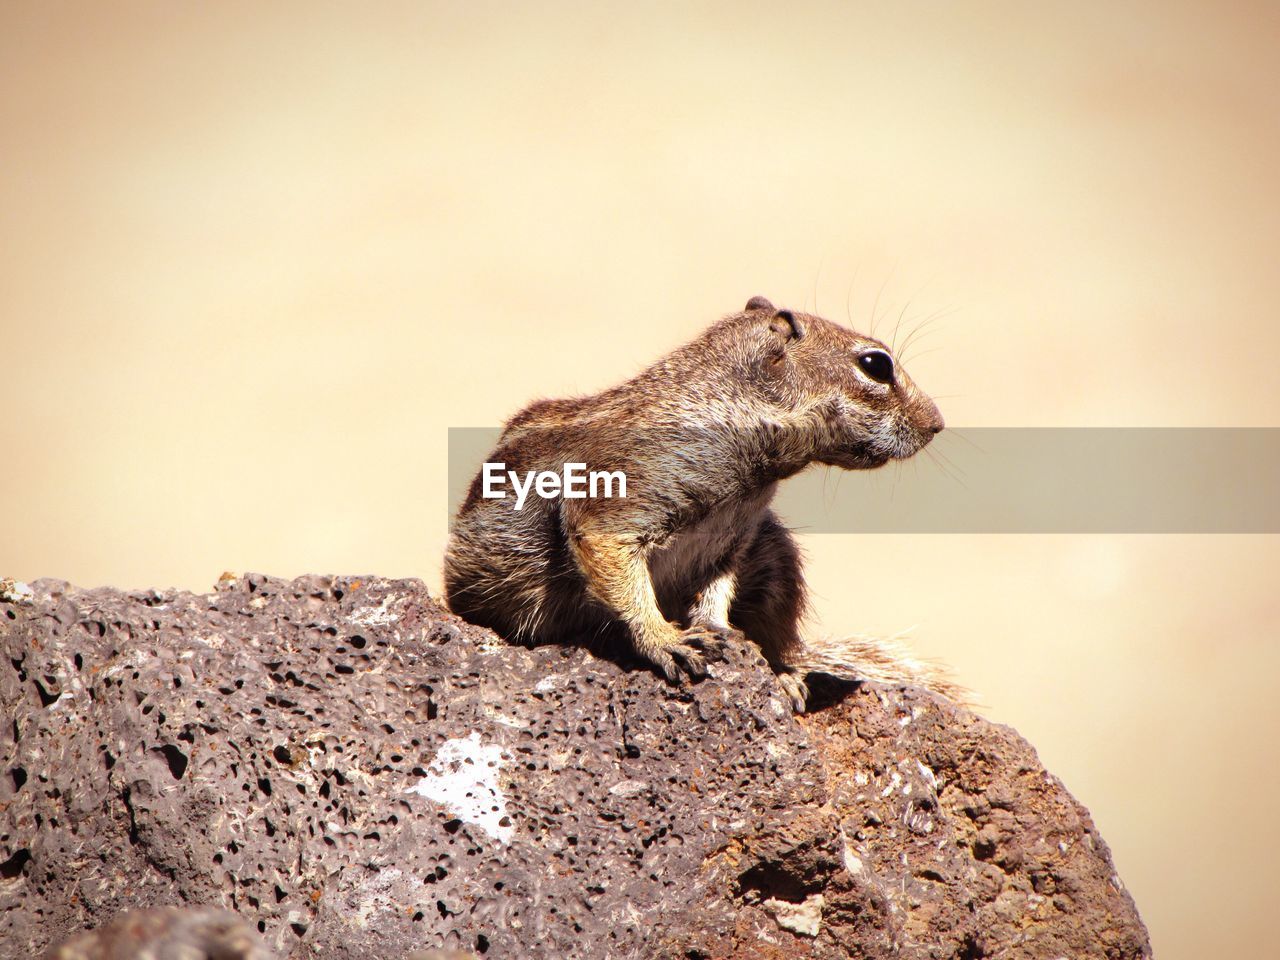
(858, 458)
(910, 442)
(876, 443)
(902, 443)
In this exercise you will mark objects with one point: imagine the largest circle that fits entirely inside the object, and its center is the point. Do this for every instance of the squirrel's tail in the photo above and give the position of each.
(878, 659)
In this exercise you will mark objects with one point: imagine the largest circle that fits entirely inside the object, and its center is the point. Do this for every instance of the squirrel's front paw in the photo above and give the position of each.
(710, 639)
(677, 660)
(684, 653)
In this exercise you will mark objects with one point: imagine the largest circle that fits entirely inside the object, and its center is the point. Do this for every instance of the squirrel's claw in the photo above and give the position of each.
(688, 656)
(676, 661)
(796, 689)
(710, 640)
(690, 660)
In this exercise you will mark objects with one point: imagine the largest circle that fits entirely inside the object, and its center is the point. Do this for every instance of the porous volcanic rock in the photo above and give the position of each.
(357, 773)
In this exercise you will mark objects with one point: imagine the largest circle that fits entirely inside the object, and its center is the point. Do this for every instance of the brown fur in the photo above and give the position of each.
(693, 552)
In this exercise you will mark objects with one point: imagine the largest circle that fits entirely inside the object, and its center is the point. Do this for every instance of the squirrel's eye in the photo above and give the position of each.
(877, 365)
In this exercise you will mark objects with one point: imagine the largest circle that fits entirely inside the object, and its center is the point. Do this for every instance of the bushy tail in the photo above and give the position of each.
(879, 659)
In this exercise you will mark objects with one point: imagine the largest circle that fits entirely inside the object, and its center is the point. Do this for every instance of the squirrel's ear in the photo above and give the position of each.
(788, 325)
(758, 303)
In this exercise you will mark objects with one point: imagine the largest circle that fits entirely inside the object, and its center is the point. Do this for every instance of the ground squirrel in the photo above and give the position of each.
(692, 554)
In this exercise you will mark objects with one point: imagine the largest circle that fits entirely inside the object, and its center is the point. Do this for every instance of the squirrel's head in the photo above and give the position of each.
(844, 391)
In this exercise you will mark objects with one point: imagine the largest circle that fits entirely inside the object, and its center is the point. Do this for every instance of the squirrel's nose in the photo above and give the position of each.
(933, 421)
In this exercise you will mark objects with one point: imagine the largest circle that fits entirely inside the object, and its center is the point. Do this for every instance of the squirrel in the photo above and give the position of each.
(692, 555)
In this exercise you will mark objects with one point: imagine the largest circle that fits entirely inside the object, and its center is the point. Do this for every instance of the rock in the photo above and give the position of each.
(15, 591)
(804, 918)
(358, 774)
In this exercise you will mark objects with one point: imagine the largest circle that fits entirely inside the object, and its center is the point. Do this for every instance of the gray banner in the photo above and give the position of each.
(1016, 480)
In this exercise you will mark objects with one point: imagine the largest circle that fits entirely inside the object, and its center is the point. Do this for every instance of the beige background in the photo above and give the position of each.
(257, 258)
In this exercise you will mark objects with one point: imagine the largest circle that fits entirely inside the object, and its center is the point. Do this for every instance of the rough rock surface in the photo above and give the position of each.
(358, 773)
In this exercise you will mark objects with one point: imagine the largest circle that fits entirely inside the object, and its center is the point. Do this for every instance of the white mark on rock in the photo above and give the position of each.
(378, 616)
(17, 592)
(464, 778)
(928, 774)
(629, 788)
(507, 721)
(852, 862)
(802, 918)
